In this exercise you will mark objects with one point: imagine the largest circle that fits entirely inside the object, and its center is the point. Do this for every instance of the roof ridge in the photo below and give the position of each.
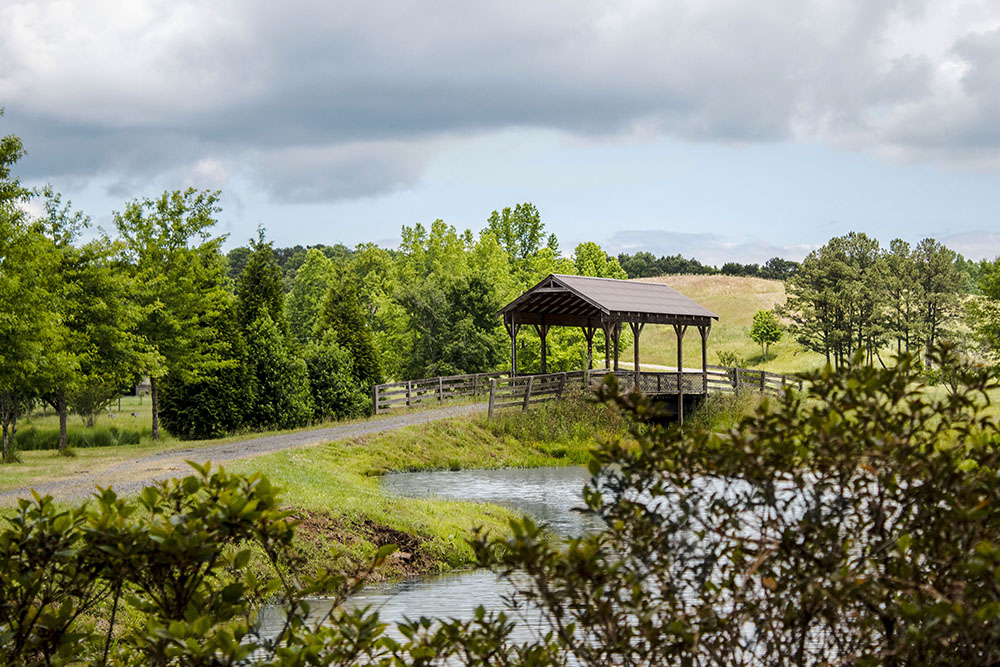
(632, 281)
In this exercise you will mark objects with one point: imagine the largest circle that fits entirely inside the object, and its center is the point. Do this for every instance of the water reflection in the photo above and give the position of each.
(546, 494)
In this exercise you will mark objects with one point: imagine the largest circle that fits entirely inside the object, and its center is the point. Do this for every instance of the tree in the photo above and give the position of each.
(777, 268)
(259, 286)
(305, 299)
(221, 398)
(179, 275)
(29, 323)
(591, 260)
(335, 392)
(520, 230)
(765, 330)
(282, 381)
(940, 283)
(342, 315)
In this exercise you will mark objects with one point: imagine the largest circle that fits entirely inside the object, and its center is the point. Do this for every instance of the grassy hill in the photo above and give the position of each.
(734, 300)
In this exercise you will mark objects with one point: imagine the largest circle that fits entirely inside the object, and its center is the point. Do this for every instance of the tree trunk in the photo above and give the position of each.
(154, 395)
(62, 421)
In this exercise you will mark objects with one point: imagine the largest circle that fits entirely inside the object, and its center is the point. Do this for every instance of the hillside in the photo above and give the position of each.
(735, 300)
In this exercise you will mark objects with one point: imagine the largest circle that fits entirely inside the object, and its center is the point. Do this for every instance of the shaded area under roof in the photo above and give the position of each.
(561, 300)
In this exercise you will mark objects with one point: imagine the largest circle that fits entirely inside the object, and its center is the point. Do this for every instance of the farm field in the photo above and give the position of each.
(735, 300)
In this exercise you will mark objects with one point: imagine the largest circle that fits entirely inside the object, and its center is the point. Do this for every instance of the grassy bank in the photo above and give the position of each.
(335, 487)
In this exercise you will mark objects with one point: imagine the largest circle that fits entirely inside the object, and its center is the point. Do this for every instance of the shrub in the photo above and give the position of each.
(35, 439)
(855, 525)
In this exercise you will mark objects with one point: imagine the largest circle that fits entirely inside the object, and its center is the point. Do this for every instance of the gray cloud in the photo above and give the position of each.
(327, 101)
(975, 245)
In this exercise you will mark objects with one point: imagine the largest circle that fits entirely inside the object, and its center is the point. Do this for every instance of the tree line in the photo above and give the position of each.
(259, 338)
(643, 264)
(853, 295)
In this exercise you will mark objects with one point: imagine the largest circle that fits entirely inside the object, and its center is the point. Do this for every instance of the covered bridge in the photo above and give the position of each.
(606, 304)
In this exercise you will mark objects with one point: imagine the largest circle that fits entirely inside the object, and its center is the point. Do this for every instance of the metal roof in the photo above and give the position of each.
(585, 301)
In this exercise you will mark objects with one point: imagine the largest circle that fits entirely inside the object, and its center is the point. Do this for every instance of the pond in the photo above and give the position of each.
(546, 494)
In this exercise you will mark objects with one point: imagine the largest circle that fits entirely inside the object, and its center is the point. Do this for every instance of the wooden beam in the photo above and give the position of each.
(542, 330)
(636, 328)
(680, 330)
(588, 333)
(704, 357)
(606, 327)
(618, 335)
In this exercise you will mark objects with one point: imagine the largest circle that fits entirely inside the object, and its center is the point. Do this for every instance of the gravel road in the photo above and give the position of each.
(131, 476)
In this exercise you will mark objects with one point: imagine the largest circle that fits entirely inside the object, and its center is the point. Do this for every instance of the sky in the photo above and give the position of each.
(723, 130)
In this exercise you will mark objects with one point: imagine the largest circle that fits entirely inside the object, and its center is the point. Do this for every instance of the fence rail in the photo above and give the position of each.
(503, 391)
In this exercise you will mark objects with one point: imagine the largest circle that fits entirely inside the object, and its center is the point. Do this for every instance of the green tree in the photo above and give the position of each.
(259, 286)
(519, 230)
(178, 272)
(29, 324)
(282, 381)
(343, 316)
(221, 398)
(941, 284)
(765, 330)
(591, 260)
(312, 280)
(335, 392)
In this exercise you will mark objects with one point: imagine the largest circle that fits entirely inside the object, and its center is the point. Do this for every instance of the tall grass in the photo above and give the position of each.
(721, 411)
(35, 439)
(574, 419)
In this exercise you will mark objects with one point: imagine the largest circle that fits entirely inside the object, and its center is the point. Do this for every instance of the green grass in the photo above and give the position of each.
(340, 480)
(734, 300)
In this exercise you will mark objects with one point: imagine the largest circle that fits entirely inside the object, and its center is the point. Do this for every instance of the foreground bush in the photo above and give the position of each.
(857, 525)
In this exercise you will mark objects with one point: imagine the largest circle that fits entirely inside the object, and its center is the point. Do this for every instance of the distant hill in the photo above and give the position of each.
(735, 300)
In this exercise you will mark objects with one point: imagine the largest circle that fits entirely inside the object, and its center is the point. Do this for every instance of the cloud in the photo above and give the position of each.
(331, 101)
(707, 248)
(975, 245)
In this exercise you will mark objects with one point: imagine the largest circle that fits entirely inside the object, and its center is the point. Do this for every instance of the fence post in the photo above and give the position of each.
(440, 389)
(562, 383)
(763, 381)
(527, 393)
(375, 399)
(736, 378)
(493, 391)
(782, 384)
(475, 384)
(800, 385)
(409, 389)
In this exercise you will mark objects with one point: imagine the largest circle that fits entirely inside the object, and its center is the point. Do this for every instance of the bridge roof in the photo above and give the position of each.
(562, 300)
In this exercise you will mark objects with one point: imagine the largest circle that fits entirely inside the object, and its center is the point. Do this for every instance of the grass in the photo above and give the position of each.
(339, 480)
(735, 300)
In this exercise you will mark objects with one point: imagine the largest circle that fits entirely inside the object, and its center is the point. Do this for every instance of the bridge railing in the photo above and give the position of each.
(503, 391)
(415, 392)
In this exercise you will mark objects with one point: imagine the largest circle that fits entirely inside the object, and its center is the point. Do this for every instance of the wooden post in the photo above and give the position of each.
(512, 330)
(736, 378)
(618, 336)
(440, 389)
(527, 393)
(562, 383)
(493, 392)
(763, 380)
(636, 328)
(607, 346)
(704, 358)
(375, 399)
(409, 388)
(543, 331)
(475, 384)
(588, 333)
(680, 330)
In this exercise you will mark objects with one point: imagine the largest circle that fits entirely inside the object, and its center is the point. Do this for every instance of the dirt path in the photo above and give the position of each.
(130, 476)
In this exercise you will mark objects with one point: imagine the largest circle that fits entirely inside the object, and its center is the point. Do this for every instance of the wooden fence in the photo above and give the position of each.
(503, 391)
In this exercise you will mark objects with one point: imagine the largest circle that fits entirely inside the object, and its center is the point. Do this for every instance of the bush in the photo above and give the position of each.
(855, 525)
(283, 399)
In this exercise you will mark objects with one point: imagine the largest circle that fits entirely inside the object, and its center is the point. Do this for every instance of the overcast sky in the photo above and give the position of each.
(720, 129)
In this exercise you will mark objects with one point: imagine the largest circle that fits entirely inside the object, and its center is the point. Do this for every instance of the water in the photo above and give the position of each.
(548, 495)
